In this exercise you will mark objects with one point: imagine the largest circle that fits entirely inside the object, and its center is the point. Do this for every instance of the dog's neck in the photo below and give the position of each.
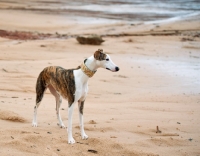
(91, 63)
(89, 66)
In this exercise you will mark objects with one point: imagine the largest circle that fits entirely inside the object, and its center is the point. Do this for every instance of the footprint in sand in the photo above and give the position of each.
(92, 122)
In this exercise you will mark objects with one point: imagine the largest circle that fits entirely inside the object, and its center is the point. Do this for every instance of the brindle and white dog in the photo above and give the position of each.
(71, 84)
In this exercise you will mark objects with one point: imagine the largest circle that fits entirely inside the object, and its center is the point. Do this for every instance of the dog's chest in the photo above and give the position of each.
(81, 86)
(81, 91)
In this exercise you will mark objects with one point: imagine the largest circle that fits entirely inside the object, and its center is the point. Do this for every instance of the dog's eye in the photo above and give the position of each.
(107, 59)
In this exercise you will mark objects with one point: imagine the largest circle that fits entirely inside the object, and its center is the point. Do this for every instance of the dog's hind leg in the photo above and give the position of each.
(81, 106)
(58, 98)
(40, 89)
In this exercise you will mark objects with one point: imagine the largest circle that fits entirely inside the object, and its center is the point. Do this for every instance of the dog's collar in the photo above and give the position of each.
(86, 70)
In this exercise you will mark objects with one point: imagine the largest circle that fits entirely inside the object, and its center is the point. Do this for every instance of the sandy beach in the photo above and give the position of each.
(158, 85)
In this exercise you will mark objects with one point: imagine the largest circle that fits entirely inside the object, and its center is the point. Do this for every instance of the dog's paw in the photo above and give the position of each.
(84, 137)
(34, 124)
(61, 125)
(71, 141)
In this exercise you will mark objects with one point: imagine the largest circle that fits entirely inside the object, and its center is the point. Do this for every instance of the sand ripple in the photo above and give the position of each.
(11, 116)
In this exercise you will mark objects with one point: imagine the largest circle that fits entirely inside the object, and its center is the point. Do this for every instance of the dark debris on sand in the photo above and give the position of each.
(23, 35)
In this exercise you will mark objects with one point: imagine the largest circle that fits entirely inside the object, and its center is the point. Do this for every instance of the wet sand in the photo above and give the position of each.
(158, 85)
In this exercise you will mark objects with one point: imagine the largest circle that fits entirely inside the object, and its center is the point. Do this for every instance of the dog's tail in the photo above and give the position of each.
(40, 88)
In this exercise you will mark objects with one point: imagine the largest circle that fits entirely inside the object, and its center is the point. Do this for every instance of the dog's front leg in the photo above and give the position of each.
(81, 106)
(69, 129)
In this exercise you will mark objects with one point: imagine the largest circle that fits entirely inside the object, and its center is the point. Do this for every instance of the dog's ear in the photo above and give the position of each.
(85, 60)
(99, 55)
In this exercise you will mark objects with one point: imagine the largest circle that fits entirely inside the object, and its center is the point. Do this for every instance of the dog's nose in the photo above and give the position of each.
(117, 68)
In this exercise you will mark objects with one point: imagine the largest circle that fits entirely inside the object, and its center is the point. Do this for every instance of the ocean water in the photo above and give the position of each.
(132, 10)
(97, 11)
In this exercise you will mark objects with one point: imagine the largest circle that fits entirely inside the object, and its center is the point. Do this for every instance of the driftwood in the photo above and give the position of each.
(93, 40)
(157, 130)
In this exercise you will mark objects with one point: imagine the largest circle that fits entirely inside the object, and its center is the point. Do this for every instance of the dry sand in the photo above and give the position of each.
(158, 85)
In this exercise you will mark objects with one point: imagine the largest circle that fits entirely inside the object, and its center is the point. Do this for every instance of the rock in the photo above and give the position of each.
(92, 40)
(5, 70)
(92, 151)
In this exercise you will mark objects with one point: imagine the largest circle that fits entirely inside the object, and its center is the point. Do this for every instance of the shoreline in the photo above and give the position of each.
(106, 11)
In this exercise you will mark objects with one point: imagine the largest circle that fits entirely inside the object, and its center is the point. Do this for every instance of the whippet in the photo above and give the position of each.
(71, 84)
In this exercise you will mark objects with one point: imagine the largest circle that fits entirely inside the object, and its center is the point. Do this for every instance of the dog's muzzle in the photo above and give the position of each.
(116, 68)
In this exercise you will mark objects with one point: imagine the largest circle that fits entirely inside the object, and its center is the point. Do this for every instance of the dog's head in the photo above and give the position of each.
(104, 61)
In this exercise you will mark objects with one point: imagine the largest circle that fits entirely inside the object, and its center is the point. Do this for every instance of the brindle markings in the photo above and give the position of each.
(40, 88)
(60, 79)
(99, 55)
(81, 107)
